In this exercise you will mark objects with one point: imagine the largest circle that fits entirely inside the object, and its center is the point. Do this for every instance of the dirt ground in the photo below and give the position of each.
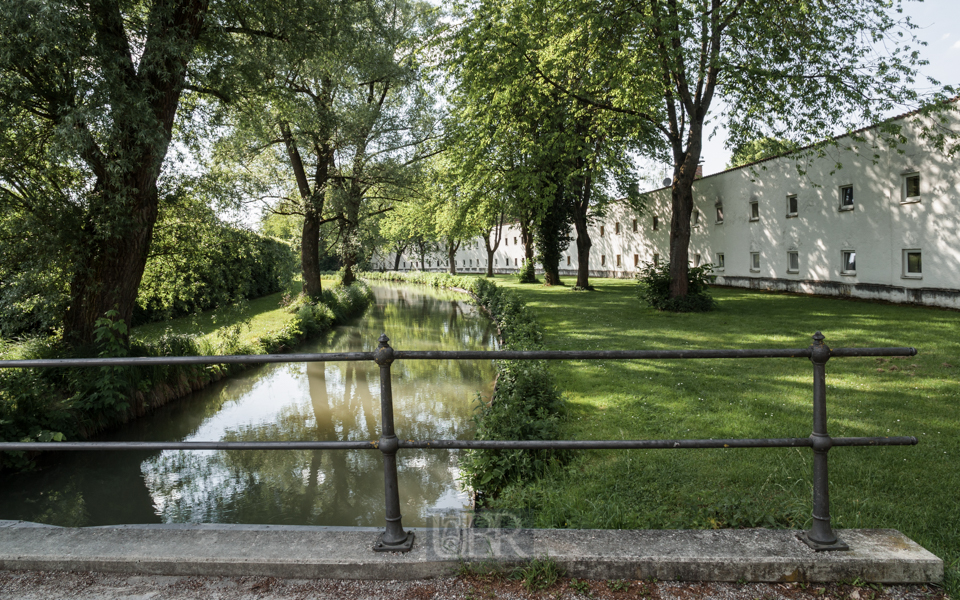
(46, 585)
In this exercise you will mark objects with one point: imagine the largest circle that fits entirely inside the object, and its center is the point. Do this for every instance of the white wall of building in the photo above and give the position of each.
(882, 226)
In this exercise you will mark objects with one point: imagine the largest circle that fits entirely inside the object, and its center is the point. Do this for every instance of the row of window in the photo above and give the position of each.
(912, 260)
(909, 192)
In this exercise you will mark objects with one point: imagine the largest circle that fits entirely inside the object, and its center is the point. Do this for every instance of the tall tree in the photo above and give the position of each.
(549, 155)
(793, 69)
(343, 107)
(103, 82)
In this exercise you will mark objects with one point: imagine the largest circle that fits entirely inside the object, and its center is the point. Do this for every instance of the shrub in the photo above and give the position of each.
(526, 404)
(528, 271)
(653, 288)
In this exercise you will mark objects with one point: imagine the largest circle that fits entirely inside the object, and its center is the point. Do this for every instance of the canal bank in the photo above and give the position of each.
(315, 401)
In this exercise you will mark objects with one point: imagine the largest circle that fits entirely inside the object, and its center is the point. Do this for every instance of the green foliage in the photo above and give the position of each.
(538, 574)
(526, 404)
(618, 585)
(653, 289)
(69, 404)
(198, 263)
(528, 271)
(751, 151)
(581, 586)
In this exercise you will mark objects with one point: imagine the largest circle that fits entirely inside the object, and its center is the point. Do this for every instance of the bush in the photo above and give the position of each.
(653, 288)
(204, 263)
(528, 271)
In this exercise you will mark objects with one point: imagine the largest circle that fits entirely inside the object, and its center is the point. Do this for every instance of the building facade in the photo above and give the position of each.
(861, 220)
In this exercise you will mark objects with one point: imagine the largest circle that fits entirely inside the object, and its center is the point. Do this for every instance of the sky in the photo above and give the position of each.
(939, 27)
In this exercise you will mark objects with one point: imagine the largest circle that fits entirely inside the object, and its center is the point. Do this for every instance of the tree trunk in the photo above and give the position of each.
(526, 236)
(310, 255)
(398, 256)
(112, 270)
(497, 230)
(312, 211)
(551, 274)
(452, 256)
(583, 252)
(682, 209)
(580, 209)
(112, 256)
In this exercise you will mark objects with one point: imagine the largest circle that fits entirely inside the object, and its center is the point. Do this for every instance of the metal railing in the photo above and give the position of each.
(820, 536)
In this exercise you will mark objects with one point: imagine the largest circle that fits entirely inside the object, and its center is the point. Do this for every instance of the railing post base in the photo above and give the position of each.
(821, 546)
(404, 546)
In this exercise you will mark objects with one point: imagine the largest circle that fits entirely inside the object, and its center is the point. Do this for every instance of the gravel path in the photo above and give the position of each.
(46, 585)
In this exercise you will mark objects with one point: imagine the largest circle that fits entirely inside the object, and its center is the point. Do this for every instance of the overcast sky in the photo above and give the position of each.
(939, 22)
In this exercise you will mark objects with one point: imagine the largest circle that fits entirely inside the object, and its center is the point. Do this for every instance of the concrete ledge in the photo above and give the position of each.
(757, 555)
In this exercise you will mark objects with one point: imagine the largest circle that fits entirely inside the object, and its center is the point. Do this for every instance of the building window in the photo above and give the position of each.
(793, 262)
(849, 264)
(912, 264)
(696, 260)
(656, 223)
(846, 197)
(754, 210)
(618, 260)
(601, 231)
(792, 205)
(656, 260)
(514, 241)
(634, 225)
(719, 266)
(636, 260)
(617, 227)
(568, 261)
(603, 259)
(719, 213)
(515, 262)
(496, 262)
(754, 261)
(910, 190)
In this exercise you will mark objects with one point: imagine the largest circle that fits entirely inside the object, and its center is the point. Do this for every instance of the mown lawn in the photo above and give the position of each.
(915, 489)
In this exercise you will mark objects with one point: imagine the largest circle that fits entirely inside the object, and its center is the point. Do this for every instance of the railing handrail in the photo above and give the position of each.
(820, 536)
(143, 361)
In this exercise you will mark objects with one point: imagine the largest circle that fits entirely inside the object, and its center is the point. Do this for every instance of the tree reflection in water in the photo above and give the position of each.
(289, 402)
(342, 402)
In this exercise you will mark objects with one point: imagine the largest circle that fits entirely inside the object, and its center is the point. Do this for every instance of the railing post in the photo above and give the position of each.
(394, 539)
(820, 536)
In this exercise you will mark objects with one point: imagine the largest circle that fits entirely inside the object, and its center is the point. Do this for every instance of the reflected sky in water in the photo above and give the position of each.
(289, 402)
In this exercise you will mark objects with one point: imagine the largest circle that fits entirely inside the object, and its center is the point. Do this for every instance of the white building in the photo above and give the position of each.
(854, 224)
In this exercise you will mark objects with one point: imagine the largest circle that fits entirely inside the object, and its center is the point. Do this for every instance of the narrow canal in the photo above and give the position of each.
(315, 401)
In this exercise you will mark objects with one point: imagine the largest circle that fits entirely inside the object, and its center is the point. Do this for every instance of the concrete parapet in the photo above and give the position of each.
(757, 555)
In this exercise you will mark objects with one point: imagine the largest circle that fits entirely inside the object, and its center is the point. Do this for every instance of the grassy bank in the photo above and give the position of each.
(68, 404)
(913, 489)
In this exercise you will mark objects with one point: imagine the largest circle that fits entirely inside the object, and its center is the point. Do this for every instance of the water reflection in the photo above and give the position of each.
(322, 401)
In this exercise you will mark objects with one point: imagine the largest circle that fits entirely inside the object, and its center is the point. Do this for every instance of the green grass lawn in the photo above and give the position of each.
(914, 489)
